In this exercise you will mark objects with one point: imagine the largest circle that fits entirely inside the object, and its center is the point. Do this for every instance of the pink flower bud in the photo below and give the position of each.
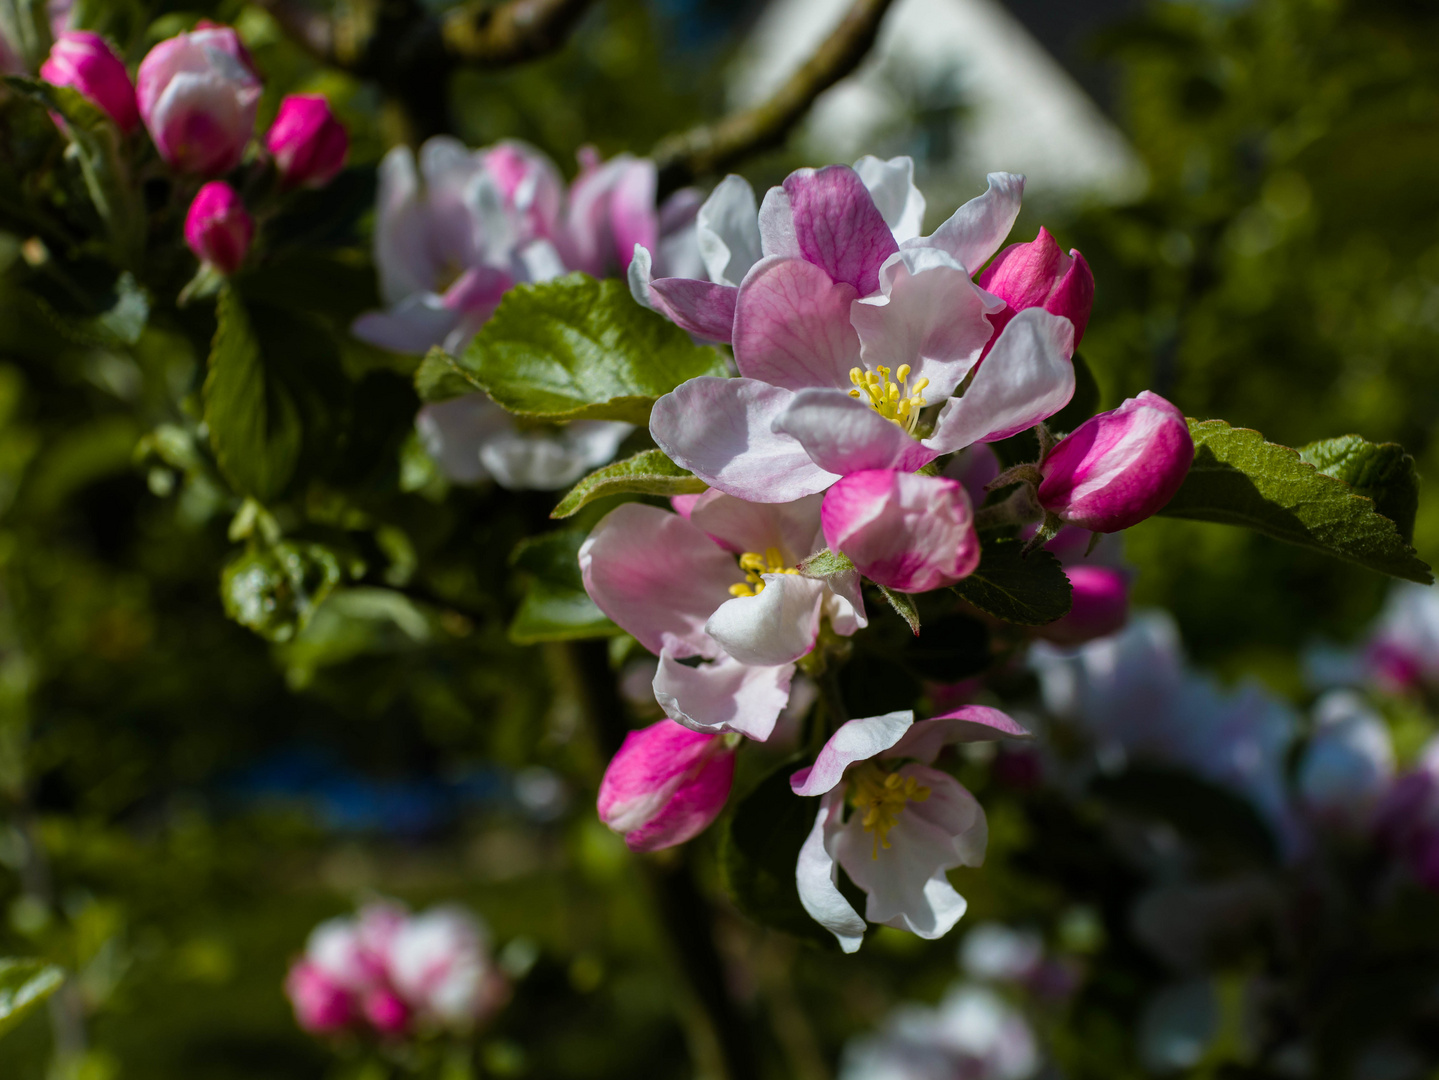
(1100, 606)
(198, 93)
(1119, 467)
(322, 1005)
(1039, 274)
(307, 142)
(86, 62)
(217, 227)
(901, 530)
(385, 1011)
(665, 785)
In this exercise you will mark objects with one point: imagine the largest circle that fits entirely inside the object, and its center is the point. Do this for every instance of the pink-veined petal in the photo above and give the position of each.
(891, 185)
(838, 226)
(740, 526)
(792, 326)
(704, 309)
(855, 740)
(843, 435)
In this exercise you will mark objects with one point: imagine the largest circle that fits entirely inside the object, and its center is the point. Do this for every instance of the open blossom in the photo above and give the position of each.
(307, 142)
(85, 61)
(665, 785)
(218, 229)
(1348, 763)
(1039, 274)
(474, 440)
(198, 93)
(848, 327)
(719, 586)
(612, 220)
(892, 822)
(1119, 467)
(903, 531)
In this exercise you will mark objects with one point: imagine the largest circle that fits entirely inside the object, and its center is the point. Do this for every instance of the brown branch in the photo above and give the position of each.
(711, 148)
(510, 33)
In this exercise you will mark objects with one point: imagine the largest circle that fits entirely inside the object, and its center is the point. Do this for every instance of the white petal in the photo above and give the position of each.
(403, 263)
(793, 528)
(723, 696)
(778, 626)
(727, 229)
(855, 740)
(891, 183)
(976, 230)
(640, 275)
(453, 433)
(818, 880)
(776, 225)
(970, 723)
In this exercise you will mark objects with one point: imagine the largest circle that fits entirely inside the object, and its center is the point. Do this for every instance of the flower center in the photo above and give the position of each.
(754, 564)
(879, 797)
(891, 398)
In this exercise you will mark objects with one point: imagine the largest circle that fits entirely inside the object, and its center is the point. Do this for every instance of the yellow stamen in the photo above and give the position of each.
(754, 565)
(891, 397)
(879, 798)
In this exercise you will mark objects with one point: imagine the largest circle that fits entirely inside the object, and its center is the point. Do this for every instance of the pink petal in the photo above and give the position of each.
(838, 226)
(977, 228)
(741, 526)
(657, 576)
(723, 696)
(721, 430)
(1026, 378)
(855, 741)
(792, 326)
(970, 723)
(664, 785)
(703, 309)
(843, 435)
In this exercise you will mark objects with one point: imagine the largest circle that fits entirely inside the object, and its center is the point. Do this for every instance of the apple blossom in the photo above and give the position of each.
(218, 229)
(903, 531)
(665, 785)
(307, 142)
(612, 216)
(473, 440)
(1038, 274)
(720, 587)
(197, 93)
(893, 823)
(322, 1005)
(85, 61)
(439, 964)
(1119, 467)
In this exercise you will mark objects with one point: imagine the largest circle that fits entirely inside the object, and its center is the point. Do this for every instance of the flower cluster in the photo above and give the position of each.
(197, 94)
(456, 229)
(869, 357)
(396, 974)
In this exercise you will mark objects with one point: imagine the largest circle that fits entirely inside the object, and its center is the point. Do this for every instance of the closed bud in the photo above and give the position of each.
(322, 1004)
(1099, 606)
(901, 530)
(665, 785)
(197, 94)
(217, 228)
(85, 61)
(1119, 467)
(385, 1011)
(307, 142)
(1039, 274)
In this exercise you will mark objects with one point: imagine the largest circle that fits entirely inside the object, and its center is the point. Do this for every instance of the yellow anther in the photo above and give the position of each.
(754, 566)
(879, 798)
(903, 373)
(890, 396)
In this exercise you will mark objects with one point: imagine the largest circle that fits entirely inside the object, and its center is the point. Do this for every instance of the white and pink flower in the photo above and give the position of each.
(665, 785)
(894, 823)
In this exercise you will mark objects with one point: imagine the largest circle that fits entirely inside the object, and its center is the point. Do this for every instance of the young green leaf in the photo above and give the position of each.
(1239, 479)
(24, 984)
(1383, 472)
(647, 473)
(1029, 590)
(254, 424)
(275, 589)
(555, 606)
(576, 348)
(903, 605)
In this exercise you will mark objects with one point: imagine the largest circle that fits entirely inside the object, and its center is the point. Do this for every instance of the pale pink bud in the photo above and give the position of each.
(86, 62)
(1099, 606)
(665, 785)
(1119, 467)
(322, 1005)
(1039, 274)
(901, 530)
(198, 93)
(307, 142)
(385, 1011)
(217, 227)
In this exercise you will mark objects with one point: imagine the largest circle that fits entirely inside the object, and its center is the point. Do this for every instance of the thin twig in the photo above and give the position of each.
(711, 148)
(511, 33)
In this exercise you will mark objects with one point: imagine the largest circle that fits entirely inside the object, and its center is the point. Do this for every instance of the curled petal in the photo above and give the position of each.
(975, 231)
(723, 696)
(971, 723)
(727, 230)
(817, 878)
(792, 326)
(722, 431)
(778, 626)
(856, 740)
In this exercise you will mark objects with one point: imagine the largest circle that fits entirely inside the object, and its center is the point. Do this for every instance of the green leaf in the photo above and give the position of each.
(440, 377)
(254, 424)
(24, 984)
(274, 590)
(647, 473)
(826, 564)
(576, 348)
(759, 840)
(1029, 590)
(555, 606)
(1383, 472)
(1239, 479)
(903, 605)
